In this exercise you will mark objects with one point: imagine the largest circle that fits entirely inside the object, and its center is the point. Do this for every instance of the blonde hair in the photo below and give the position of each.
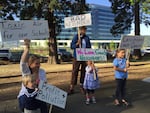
(28, 78)
(33, 58)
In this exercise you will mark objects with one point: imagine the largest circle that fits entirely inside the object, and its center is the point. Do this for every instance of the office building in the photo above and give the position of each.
(99, 31)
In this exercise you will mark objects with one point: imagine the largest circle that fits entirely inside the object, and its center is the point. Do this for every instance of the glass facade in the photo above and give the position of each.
(102, 21)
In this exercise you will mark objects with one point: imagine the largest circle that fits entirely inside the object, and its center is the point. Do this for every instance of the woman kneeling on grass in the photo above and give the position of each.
(31, 65)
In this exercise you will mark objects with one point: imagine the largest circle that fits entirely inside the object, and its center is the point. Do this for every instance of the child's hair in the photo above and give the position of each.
(88, 61)
(28, 78)
(118, 50)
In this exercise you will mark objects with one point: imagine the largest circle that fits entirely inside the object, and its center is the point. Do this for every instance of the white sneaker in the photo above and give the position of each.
(87, 102)
(93, 100)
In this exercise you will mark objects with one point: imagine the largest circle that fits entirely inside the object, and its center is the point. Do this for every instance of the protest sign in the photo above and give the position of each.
(84, 54)
(52, 95)
(131, 42)
(78, 20)
(18, 30)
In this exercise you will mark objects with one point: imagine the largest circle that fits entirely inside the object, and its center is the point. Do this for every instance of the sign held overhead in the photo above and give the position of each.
(18, 30)
(78, 20)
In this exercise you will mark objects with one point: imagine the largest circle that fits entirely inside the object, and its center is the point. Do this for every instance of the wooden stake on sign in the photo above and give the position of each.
(50, 109)
(128, 54)
(94, 71)
(79, 38)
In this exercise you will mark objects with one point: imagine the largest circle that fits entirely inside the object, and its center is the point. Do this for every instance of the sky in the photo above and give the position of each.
(144, 30)
(101, 2)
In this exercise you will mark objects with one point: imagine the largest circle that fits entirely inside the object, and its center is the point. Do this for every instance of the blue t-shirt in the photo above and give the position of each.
(120, 63)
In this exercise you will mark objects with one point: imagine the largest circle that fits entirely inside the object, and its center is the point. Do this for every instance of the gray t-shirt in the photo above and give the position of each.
(25, 71)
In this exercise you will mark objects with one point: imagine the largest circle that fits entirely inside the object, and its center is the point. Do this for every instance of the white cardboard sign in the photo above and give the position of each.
(78, 20)
(131, 42)
(85, 54)
(52, 95)
(18, 30)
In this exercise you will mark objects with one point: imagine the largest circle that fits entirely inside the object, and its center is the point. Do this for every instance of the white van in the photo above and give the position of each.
(146, 50)
(5, 54)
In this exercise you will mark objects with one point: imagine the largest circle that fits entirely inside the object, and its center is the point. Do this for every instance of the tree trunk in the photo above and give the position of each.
(53, 57)
(137, 52)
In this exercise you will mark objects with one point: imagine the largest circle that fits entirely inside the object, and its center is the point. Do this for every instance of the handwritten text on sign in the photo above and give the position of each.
(17, 30)
(131, 42)
(77, 21)
(91, 54)
(52, 95)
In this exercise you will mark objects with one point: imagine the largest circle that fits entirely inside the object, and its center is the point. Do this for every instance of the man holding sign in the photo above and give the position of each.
(79, 42)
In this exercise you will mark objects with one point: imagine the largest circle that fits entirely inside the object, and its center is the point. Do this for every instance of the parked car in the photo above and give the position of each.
(5, 54)
(16, 56)
(146, 50)
(64, 55)
(142, 52)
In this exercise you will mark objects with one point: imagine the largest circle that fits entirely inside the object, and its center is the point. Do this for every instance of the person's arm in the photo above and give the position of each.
(75, 42)
(118, 69)
(24, 56)
(95, 68)
(22, 102)
(42, 75)
(89, 69)
(24, 59)
(88, 42)
(127, 64)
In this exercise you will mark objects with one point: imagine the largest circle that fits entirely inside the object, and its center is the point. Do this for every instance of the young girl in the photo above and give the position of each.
(91, 82)
(28, 103)
(121, 66)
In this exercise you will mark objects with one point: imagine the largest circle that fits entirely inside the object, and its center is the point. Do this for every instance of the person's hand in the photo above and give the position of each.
(125, 70)
(127, 63)
(93, 66)
(27, 42)
(78, 42)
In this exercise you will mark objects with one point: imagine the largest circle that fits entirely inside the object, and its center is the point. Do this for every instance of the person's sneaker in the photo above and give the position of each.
(87, 102)
(93, 100)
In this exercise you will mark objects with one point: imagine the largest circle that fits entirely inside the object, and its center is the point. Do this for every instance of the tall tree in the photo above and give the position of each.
(126, 12)
(146, 10)
(137, 52)
(123, 16)
(46, 9)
